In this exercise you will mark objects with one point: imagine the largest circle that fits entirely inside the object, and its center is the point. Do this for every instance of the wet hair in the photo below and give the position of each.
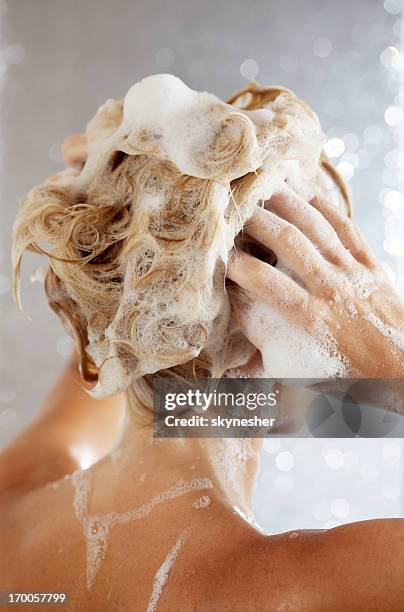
(137, 239)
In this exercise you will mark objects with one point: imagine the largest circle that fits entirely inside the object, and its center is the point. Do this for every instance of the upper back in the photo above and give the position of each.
(183, 555)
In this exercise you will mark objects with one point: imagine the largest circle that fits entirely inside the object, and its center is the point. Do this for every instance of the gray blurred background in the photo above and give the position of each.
(60, 59)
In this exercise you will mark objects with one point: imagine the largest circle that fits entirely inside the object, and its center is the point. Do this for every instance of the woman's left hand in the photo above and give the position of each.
(327, 309)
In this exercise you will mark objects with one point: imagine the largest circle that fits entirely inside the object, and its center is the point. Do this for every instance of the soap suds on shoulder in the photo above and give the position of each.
(163, 573)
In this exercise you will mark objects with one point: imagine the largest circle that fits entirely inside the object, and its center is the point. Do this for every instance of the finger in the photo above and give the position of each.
(63, 177)
(290, 245)
(347, 232)
(75, 150)
(289, 206)
(246, 319)
(266, 282)
(254, 366)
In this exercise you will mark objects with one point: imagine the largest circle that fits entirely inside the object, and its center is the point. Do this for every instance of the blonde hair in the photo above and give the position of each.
(137, 248)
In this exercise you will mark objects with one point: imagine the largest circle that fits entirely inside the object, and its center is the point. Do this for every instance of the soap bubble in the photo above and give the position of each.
(322, 47)
(393, 6)
(393, 200)
(387, 56)
(285, 461)
(334, 147)
(392, 159)
(346, 169)
(393, 116)
(351, 159)
(334, 458)
(249, 69)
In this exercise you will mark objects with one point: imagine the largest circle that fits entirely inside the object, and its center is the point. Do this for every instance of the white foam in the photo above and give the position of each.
(363, 284)
(39, 275)
(229, 458)
(395, 335)
(81, 483)
(351, 308)
(96, 528)
(202, 502)
(290, 352)
(160, 113)
(165, 569)
(167, 128)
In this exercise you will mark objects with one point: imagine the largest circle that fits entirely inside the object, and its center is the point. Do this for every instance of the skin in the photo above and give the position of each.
(225, 564)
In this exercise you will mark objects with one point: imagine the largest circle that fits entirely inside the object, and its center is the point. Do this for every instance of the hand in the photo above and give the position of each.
(327, 309)
(75, 150)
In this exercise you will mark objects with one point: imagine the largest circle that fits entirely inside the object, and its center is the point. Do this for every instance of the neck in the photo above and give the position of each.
(231, 463)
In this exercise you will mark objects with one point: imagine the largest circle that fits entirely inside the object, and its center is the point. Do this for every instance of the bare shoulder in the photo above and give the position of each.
(354, 567)
(357, 566)
(44, 541)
